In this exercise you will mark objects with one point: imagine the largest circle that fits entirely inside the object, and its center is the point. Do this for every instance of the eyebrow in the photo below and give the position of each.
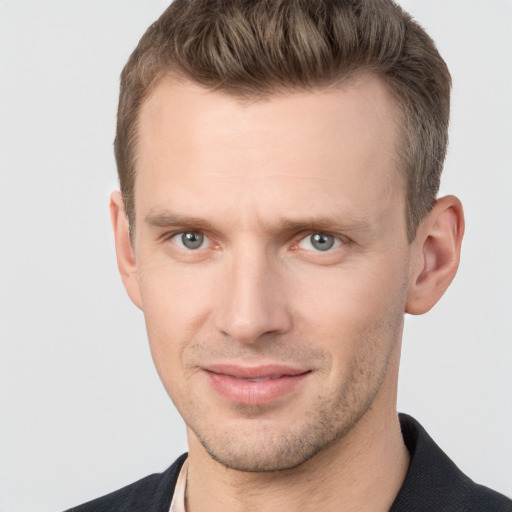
(170, 219)
(167, 219)
(322, 223)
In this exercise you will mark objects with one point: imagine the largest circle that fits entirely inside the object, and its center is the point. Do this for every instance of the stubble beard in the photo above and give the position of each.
(325, 424)
(280, 451)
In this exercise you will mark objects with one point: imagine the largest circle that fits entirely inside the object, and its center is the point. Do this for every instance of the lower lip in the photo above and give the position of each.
(248, 392)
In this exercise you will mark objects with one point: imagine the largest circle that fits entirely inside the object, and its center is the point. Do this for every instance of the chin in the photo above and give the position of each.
(262, 448)
(268, 457)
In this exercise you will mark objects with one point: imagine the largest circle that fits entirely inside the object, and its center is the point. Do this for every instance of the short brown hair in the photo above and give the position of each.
(251, 48)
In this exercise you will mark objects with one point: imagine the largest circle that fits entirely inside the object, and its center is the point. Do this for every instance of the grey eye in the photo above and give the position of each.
(322, 242)
(192, 240)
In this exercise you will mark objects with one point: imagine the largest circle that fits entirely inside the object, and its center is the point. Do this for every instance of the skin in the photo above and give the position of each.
(256, 180)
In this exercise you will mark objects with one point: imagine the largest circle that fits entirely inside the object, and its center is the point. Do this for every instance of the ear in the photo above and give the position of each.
(435, 255)
(124, 248)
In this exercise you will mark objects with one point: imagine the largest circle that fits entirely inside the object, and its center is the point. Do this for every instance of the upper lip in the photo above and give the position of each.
(256, 372)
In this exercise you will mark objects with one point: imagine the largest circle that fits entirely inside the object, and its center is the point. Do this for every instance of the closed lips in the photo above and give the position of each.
(256, 374)
(254, 386)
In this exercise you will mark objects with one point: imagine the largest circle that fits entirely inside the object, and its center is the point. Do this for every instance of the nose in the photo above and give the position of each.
(251, 298)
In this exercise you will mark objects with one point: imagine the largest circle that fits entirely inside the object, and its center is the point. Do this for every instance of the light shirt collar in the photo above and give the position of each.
(178, 499)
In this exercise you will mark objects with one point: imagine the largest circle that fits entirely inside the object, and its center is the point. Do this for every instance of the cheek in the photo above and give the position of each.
(173, 294)
(348, 294)
(351, 307)
(176, 305)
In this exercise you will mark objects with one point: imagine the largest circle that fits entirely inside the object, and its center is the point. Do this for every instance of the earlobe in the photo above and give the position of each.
(437, 255)
(124, 248)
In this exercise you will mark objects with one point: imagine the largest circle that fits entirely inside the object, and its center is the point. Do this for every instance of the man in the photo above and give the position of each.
(279, 163)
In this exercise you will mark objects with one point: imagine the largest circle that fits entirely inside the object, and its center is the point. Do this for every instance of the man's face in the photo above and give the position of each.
(272, 264)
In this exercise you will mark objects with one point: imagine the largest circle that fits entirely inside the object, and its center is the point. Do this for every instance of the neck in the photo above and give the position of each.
(362, 471)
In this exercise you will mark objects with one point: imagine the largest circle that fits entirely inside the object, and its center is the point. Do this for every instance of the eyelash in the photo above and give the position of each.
(337, 241)
(182, 233)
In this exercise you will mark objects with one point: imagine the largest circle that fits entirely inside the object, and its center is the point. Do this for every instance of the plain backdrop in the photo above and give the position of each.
(82, 411)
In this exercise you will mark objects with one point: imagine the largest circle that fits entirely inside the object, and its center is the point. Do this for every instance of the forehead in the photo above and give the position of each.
(328, 148)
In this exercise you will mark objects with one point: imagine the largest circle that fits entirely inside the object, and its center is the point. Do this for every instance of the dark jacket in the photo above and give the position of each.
(433, 484)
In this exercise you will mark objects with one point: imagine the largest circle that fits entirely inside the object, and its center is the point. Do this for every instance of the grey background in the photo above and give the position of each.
(82, 411)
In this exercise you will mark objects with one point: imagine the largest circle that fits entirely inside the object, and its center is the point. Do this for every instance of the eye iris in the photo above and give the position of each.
(322, 242)
(192, 240)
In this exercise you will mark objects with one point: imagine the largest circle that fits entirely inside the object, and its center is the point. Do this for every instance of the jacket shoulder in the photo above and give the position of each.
(483, 498)
(150, 494)
(434, 482)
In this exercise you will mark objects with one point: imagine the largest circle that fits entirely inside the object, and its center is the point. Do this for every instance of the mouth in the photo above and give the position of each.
(255, 386)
